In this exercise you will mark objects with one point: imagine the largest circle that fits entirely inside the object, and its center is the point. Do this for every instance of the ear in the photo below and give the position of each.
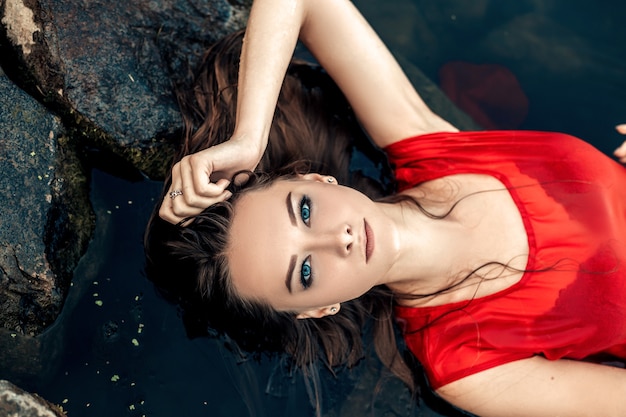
(319, 312)
(313, 176)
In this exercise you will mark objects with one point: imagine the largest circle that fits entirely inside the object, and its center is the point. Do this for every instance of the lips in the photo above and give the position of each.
(369, 241)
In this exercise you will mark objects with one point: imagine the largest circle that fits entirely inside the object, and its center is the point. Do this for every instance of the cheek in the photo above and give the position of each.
(343, 279)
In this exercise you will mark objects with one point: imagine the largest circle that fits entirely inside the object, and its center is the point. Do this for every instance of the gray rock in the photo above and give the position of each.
(109, 67)
(15, 402)
(45, 223)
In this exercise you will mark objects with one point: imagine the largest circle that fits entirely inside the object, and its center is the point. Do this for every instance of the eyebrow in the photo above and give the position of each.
(292, 215)
(292, 261)
(292, 265)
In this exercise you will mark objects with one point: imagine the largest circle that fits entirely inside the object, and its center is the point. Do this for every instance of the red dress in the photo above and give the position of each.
(571, 302)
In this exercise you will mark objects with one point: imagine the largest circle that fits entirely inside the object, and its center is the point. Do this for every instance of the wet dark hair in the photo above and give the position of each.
(313, 122)
(209, 300)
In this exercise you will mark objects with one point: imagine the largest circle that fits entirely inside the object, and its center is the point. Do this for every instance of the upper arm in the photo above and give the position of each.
(539, 387)
(381, 95)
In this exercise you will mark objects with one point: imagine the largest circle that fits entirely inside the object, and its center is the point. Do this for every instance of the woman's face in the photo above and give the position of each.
(305, 245)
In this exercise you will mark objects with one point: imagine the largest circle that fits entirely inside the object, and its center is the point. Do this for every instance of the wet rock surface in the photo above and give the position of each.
(45, 224)
(14, 402)
(109, 67)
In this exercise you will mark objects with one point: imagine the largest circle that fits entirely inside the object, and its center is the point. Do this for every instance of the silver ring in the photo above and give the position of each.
(175, 194)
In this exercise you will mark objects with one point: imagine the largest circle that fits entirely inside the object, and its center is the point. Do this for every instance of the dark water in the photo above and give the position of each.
(125, 350)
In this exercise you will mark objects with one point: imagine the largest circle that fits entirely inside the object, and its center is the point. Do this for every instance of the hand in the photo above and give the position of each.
(200, 179)
(620, 152)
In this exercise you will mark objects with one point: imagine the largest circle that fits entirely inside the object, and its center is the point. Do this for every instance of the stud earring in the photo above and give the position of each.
(333, 310)
(330, 180)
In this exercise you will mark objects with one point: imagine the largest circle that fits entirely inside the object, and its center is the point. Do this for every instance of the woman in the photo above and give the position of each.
(501, 257)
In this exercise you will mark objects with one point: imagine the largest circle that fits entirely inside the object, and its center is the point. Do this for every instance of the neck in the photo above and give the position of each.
(430, 252)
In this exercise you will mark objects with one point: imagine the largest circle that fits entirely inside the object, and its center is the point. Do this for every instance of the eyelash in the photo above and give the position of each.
(306, 273)
(305, 205)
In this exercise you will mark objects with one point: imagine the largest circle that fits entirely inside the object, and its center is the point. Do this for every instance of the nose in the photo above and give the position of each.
(338, 240)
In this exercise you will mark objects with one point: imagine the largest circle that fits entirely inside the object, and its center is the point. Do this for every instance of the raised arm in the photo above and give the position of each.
(382, 97)
(351, 52)
(538, 387)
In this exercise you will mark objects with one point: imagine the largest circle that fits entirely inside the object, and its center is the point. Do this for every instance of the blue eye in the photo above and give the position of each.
(305, 209)
(306, 273)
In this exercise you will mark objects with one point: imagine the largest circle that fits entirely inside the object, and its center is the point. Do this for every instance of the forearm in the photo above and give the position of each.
(269, 42)
(540, 387)
(351, 52)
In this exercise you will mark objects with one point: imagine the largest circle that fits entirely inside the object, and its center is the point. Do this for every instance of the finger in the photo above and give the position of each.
(199, 176)
(620, 153)
(173, 211)
(193, 200)
(194, 197)
(214, 189)
(191, 195)
(196, 204)
(184, 205)
(187, 203)
(193, 176)
(621, 128)
(222, 184)
(182, 201)
(621, 150)
(166, 211)
(176, 209)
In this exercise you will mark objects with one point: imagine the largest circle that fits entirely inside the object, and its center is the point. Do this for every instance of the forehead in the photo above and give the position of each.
(258, 251)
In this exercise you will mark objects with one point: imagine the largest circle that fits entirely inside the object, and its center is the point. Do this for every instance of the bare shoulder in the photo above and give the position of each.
(539, 387)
